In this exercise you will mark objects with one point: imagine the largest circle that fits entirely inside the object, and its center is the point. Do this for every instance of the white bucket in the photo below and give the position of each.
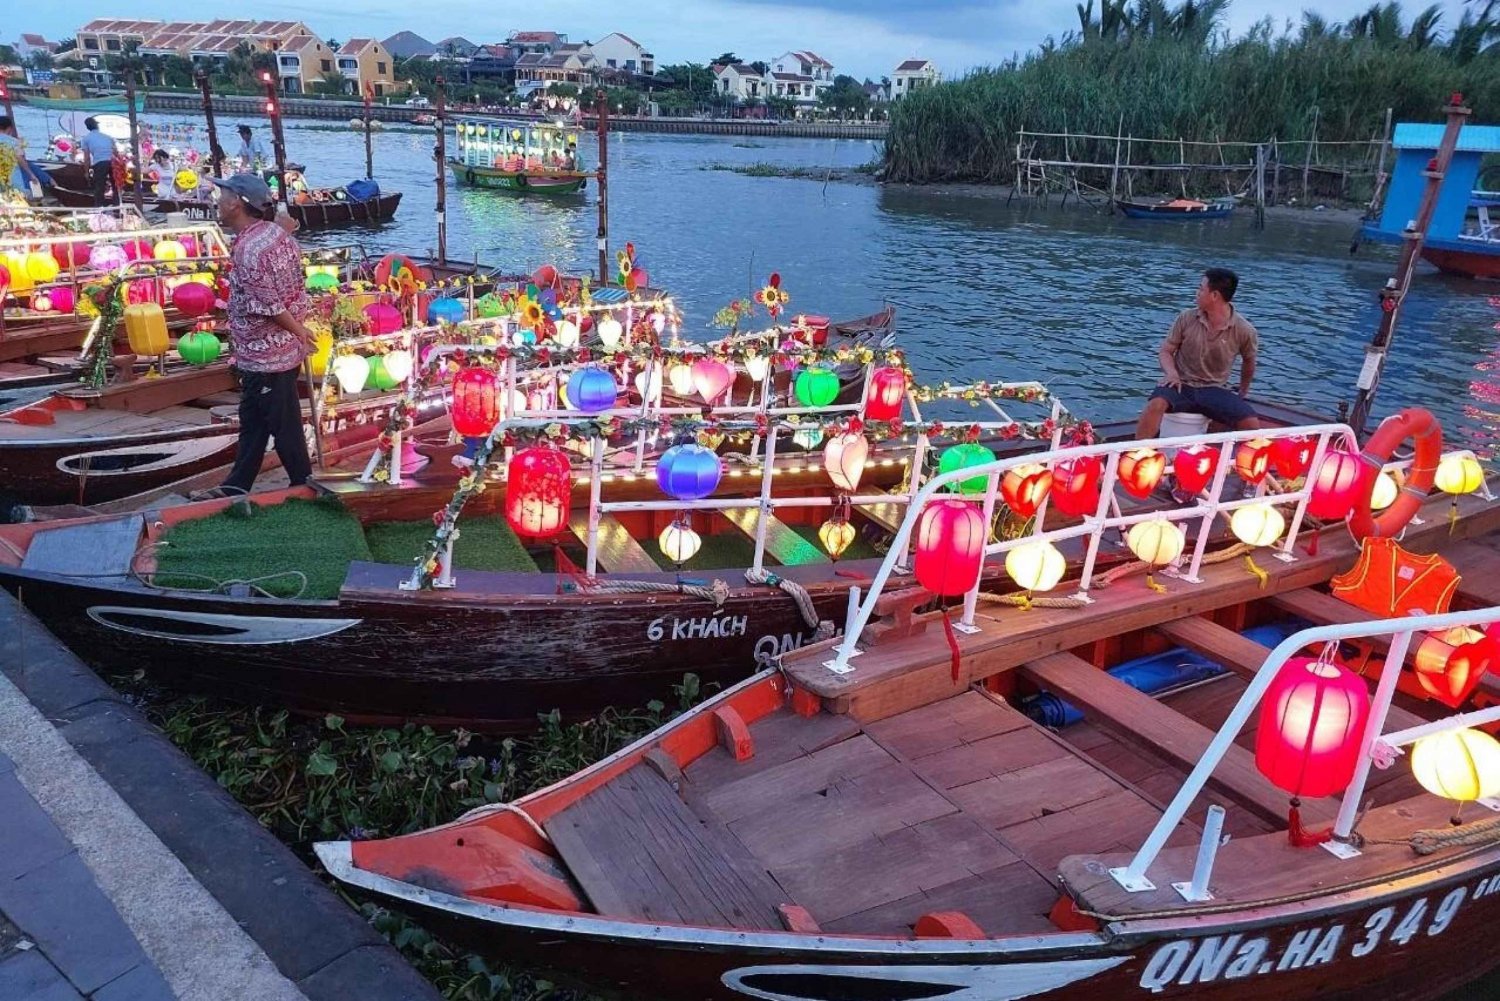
(1181, 426)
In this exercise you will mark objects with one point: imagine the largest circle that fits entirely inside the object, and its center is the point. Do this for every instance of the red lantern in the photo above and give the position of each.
(141, 291)
(1292, 457)
(546, 276)
(710, 378)
(1312, 722)
(1253, 459)
(68, 255)
(1141, 470)
(538, 491)
(1195, 467)
(950, 546)
(136, 250)
(1339, 482)
(1024, 487)
(4, 280)
(1075, 486)
(192, 299)
(887, 390)
(1450, 664)
(476, 406)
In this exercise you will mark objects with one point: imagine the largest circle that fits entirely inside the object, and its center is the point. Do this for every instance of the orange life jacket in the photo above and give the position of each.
(1387, 581)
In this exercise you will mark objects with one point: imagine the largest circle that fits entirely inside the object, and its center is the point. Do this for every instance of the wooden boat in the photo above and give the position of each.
(537, 182)
(896, 826)
(311, 214)
(519, 157)
(1176, 208)
(111, 102)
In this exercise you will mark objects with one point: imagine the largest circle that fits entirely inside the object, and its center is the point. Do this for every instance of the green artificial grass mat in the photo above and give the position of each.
(484, 543)
(318, 538)
(859, 549)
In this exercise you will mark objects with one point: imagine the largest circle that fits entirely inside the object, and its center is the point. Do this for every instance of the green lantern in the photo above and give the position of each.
(380, 376)
(962, 457)
(322, 281)
(816, 387)
(489, 306)
(199, 347)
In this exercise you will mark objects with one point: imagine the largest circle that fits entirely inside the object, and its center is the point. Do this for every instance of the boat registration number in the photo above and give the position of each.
(702, 627)
(1186, 962)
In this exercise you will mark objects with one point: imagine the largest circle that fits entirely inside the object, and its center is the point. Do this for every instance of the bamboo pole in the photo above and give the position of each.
(1182, 159)
(1260, 186)
(1312, 144)
(1275, 170)
(440, 154)
(278, 138)
(215, 151)
(1114, 174)
(369, 146)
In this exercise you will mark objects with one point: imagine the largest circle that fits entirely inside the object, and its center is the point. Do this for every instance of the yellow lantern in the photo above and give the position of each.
(1257, 525)
(1155, 542)
(322, 351)
(169, 250)
(1385, 493)
(1459, 474)
(681, 378)
(20, 277)
(836, 537)
(1036, 566)
(679, 543)
(41, 267)
(1461, 765)
(146, 328)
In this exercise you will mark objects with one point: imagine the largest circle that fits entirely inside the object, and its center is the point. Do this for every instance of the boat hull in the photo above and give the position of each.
(1464, 263)
(517, 182)
(311, 215)
(1142, 210)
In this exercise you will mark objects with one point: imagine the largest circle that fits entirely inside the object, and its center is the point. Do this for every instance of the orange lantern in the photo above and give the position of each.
(1253, 459)
(1024, 487)
(887, 390)
(1195, 467)
(538, 491)
(1450, 664)
(1075, 486)
(1141, 470)
(950, 546)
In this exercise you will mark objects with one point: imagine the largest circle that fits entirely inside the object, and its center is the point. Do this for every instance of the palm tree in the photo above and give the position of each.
(1424, 29)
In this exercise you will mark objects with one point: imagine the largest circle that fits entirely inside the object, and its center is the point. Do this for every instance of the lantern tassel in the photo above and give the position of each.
(1153, 585)
(1299, 836)
(1312, 543)
(952, 642)
(1025, 601)
(1260, 574)
(1453, 516)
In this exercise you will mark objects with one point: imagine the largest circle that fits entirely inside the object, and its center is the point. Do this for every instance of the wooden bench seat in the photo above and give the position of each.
(785, 546)
(617, 552)
(93, 549)
(887, 515)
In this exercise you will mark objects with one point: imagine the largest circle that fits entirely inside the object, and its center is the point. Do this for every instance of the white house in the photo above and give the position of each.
(30, 44)
(913, 74)
(808, 64)
(618, 51)
(740, 81)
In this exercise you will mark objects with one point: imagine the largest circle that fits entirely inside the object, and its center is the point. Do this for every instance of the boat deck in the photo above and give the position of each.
(97, 422)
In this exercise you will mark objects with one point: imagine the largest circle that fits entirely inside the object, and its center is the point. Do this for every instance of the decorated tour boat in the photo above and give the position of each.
(519, 157)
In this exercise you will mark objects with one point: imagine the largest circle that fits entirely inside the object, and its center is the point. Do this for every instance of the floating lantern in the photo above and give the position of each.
(816, 387)
(445, 311)
(352, 372)
(837, 535)
(758, 366)
(678, 542)
(109, 257)
(1156, 543)
(1140, 470)
(1257, 525)
(566, 334)
(1337, 484)
(951, 536)
(322, 351)
(1253, 459)
(382, 318)
(1036, 566)
(192, 300)
(199, 347)
(41, 266)
(1450, 664)
(538, 491)
(398, 365)
(1024, 487)
(964, 456)
(1195, 467)
(169, 250)
(680, 376)
(1459, 474)
(1312, 723)
(146, 329)
(1386, 491)
(1292, 456)
(887, 390)
(610, 331)
(1461, 765)
(476, 408)
(648, 383)
(591, 390)
(844, 459)
(688, 472)
(1075, 486)
(711, 378)
(70, 255)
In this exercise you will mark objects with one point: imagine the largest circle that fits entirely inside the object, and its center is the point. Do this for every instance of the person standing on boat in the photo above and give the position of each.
(267, 303)
(15, 171)
(1198, 356)
(98, 158)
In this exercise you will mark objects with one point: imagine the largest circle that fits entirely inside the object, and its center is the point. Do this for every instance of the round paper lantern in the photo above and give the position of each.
(648, 383)
(136, 250)
(591, 390)
(41, 266)
(887, 391)
(322, 351)
(611, 331)
(1312, 722)
(382, 318)
(169, 250)
(70, 255)
(567, 335)
(1036, 566)
(146, 329)
(321, 281)
(711, 378)
(1257, 524)
(1075, 486)
(380, 376)
(1450, 664)
(836, 536)
(398, 364)
(20, 278)
(1338, 483)
(1459, 474)
(679, 543)
(1385, 493)
(62, 299)
(680, 376)
(1157, 541)
(844, 459)
(1253, 459)
(185, 181)
(1462, 765)
(964, 456)
(1140, 470)
(199, 347)
(476, 408)
(538, 491)
(444, 311)
(757, 366)
(951, 536)
(144, 290)
(191, 299)
(546, 276)
(688, 471)
(1195, 467)
(42, 302)
(489, 306)
(352, 372)
(109, 257)
(1292, 456)
(816, 387)
(1024, 487)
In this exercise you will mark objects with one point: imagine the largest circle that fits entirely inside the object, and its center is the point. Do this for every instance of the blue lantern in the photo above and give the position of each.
(445, 311)
(688, 472)
(592, 390)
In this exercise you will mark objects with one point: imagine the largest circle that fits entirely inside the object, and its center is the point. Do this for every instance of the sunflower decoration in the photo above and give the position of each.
(773, 296)
(631, 274)
(530, 310)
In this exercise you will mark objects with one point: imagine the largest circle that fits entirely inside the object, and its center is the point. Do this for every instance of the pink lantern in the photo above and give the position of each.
(192, 299)
(62, 299)
(1312, 721)
(1339, 482)
(887, 390)
(950, 546)
(844, 458)
(383, 318)
(137, 250)
(4, 280)
(69, 255)
(711, 378)
(108, 257)
(189, 244)
(142, 290)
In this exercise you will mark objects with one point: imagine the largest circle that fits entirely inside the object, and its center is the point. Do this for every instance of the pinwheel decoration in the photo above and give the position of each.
(773, 296)
(632, 274)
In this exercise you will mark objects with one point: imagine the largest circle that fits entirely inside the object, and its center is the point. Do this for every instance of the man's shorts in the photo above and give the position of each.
(1214, 402)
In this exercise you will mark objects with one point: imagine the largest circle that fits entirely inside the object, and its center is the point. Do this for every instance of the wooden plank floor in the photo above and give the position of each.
(618, 551)
(784, 545)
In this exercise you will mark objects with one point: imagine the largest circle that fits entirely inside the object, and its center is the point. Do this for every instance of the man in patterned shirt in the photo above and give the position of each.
(267, 303)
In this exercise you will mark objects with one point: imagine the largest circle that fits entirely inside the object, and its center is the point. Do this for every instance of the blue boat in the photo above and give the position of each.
(1177, 208)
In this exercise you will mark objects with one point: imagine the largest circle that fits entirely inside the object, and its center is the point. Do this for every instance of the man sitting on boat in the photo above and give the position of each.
(1198, 356)
(251, 151)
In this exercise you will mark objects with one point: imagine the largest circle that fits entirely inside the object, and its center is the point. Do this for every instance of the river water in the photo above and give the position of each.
(1075, 298)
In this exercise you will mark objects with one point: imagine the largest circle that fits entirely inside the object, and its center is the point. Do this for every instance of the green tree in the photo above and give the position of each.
(846, 98)
(67, 45)
(725, 58)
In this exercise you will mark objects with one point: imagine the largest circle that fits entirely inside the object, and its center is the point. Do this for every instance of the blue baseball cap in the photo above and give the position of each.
(251, 189)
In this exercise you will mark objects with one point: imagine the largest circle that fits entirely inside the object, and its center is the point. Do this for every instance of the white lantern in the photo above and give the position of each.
(352, 371)
(567, 334)
(681, 377)
(398, 364)
(1257, 524)
(648, 383)
(679, 543)
(610, 331)
(844, 459)
(758, 366)
(808, 437)
(1385, 493)
(1036, 566)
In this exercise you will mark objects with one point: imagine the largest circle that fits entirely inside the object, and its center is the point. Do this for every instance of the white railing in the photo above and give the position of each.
(1107, 516)
(1375, 743)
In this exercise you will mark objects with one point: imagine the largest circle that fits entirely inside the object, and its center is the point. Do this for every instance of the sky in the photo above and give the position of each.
(865, 38)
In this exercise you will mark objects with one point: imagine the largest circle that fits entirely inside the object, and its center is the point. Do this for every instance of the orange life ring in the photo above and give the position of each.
(1426, 435)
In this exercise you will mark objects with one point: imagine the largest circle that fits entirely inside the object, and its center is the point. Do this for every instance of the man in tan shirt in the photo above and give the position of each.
(1198, 356)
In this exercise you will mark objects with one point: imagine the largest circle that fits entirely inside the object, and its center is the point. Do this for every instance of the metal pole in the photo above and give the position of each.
(1393, 296)
(278, 139)
(1208, 850)
(1380, 707)
(369, 150)
(135, 135)
(215, 151)
(601, 110)
(440, 154)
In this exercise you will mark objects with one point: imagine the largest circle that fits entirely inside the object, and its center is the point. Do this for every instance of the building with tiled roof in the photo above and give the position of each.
(368, 67)
(29, 44)
(913, 74)
(535, 41)
(619, 52)
(198, 40)
(801, 77)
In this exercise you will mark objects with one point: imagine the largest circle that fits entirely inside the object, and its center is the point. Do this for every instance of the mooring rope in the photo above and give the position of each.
(1427, 841)
(718, 592)
(489, 808)
(1136, 566)
(824, 628)
(1021, 601)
